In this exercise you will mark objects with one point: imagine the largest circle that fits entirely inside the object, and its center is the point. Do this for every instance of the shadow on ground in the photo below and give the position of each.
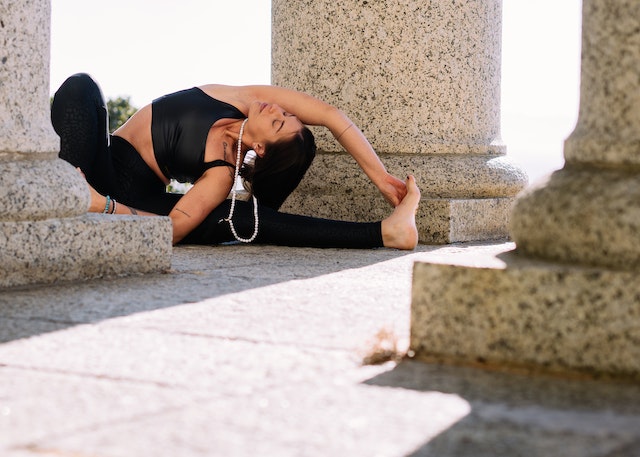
(525, 415)
(197, 273)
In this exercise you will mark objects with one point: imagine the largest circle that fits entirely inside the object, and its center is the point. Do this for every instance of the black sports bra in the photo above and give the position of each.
(180, 124)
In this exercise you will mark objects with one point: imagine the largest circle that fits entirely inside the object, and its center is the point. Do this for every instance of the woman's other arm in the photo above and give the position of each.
(207, 193)
(204, 196)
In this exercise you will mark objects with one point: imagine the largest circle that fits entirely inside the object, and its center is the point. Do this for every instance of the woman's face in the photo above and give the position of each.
(269, 123)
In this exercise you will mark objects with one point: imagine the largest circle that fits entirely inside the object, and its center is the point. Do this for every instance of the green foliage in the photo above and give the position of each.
(120, 110)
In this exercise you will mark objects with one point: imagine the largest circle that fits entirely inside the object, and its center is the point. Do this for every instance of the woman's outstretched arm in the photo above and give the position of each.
(312, 111)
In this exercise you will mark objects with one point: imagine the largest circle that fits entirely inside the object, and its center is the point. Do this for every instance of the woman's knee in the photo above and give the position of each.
(80, 86)
(80, 81)
(78, 94)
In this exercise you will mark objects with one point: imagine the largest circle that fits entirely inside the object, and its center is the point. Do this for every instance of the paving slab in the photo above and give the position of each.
(43, 405)
(509, 309)
(254, 350)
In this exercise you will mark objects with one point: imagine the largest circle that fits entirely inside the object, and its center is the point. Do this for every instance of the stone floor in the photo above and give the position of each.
(249, 350)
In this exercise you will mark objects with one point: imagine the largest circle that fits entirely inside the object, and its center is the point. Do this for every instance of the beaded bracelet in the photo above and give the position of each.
(106, 207)
(115, 205)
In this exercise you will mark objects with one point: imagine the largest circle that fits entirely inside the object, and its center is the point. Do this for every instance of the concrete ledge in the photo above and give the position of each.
(507, 311)
(88, 246)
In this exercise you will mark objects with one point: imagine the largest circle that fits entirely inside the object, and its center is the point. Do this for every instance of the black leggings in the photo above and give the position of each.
(113, 167)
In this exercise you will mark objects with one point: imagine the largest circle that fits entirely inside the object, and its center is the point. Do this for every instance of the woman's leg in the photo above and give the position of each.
(110, 164)
(79, 116)
(134, 183)
(284, 229)
(396, 231)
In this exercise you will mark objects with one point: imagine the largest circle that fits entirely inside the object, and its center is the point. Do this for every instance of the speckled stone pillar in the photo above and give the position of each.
(422, 80)
(589, 212)
(568, 297)
(45, 233)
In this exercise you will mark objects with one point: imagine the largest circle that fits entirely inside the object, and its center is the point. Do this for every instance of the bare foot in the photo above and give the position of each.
(399, 229)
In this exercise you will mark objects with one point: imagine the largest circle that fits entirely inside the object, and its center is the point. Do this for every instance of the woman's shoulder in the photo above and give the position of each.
(215, 89)
(238, 96)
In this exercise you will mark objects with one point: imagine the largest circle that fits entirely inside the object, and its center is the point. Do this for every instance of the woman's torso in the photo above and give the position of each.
(177, 134)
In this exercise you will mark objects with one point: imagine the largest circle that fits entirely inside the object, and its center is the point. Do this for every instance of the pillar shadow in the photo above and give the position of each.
(525, 415)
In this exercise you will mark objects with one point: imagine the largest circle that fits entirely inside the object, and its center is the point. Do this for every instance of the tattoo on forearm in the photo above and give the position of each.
(133, 211)
(183, 212)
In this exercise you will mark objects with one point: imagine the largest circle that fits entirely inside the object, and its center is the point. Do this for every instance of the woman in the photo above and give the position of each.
(202, 135)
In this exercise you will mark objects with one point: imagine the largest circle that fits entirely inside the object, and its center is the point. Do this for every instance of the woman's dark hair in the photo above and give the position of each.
(275, 175)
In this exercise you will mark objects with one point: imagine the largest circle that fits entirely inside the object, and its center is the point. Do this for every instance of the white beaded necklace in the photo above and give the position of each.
(233, 196)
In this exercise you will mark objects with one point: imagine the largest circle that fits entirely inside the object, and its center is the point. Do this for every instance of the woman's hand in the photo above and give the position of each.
(393, 189)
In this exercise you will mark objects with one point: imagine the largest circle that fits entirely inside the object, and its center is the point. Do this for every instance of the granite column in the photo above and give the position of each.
(567, 299)
(589, 212)
(422, 80)
(46, 234)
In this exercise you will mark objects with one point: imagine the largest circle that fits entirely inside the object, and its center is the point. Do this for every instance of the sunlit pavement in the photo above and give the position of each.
(253, 350)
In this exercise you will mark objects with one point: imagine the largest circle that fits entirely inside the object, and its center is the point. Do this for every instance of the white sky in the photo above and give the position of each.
(146, 48)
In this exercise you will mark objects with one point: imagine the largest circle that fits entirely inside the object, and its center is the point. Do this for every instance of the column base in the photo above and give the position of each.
(439, 221)
(581, 214)
(444, 221)
(465, 197)
(83, 247)
(507, 311)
